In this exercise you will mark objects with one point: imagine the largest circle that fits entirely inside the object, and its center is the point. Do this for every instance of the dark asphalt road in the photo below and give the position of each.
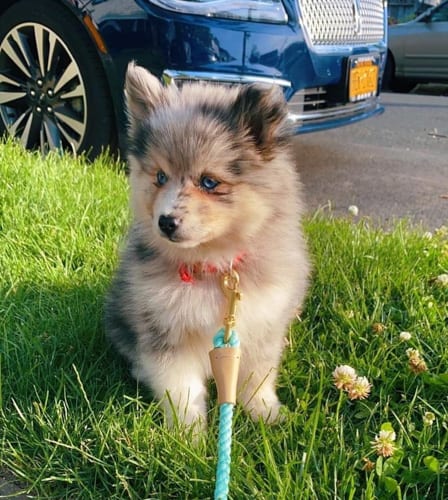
(392, 166)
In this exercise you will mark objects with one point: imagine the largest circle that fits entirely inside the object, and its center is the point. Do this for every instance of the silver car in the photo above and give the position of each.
(418, 51)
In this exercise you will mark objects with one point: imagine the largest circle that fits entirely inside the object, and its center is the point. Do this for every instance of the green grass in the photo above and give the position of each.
(73, 424)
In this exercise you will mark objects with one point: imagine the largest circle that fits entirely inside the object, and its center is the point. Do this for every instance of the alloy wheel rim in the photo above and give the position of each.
(42, 92)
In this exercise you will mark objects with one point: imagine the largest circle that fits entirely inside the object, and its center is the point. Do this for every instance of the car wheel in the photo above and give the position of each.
(402, 85)
(388, 73)
(53, 91)
(390, 82)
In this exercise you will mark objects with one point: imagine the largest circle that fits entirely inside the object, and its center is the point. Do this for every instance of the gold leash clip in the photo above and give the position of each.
(225, 360)
(230, 286)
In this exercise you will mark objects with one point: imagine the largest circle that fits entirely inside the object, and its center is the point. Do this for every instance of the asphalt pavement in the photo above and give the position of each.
(391, 167)
(9, 488)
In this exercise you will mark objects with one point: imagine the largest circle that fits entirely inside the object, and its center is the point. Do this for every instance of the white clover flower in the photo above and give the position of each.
(384, 443)
(429, 418)
(360, 388)
(416, 363)
(354, 210)
(427, 235)
(405, 336)
(442, 280)
(344, 377)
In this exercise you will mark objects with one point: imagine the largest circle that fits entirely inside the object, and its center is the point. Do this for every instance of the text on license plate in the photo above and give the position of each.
(363, 78)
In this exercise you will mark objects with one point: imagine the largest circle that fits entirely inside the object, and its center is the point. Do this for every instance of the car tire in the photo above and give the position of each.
(402, 85)
(390, 82)
(53, 90)
(388, 74)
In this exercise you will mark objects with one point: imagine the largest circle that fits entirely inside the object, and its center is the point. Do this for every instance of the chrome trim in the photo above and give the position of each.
(171, 76)
(333, 112)
(328, 113)
(346, 23)
(272, 11)
(306, 98)
(357, 20)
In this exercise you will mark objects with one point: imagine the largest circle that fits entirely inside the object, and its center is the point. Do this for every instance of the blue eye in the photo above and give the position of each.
(208, 183)
(162, 178)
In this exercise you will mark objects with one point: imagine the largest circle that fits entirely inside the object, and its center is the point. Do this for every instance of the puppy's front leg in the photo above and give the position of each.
(257, 381)
(177, 379)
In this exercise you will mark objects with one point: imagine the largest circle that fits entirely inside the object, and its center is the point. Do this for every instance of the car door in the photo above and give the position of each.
(426, 47)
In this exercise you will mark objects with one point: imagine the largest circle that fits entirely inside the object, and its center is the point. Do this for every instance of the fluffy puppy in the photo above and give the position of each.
(213, 184)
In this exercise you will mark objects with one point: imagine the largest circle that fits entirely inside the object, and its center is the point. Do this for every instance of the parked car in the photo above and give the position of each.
(62, 62)
(418, 50)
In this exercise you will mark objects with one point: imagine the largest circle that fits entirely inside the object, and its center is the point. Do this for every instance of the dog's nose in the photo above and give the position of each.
(167, 225)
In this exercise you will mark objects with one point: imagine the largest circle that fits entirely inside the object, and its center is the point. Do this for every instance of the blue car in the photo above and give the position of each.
(62, 62)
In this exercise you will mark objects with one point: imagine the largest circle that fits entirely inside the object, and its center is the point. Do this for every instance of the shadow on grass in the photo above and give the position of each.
(52, 342)
(63, 391)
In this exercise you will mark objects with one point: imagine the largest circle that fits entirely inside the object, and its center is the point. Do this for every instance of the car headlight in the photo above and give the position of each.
(271, 11)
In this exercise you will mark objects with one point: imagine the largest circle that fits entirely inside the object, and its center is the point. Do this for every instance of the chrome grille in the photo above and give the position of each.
(314, 105)
(307, 101)
(340, 22)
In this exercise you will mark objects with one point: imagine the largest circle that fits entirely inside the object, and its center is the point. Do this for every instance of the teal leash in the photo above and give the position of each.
(225, 427)
(225, 362)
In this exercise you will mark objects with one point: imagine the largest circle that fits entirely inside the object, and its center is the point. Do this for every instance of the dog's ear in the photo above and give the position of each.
(261, 110)
(143, 92)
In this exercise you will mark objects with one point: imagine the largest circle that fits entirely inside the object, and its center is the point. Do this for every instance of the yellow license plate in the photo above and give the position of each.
(363, 78)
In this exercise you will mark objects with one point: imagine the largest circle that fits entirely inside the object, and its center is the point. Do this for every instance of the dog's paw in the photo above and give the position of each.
(194, 430)
(191, 419)
(195, 421)
(269, 409)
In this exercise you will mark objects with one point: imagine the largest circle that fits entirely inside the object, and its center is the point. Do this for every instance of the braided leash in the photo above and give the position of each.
(225, 419)
(225, 359)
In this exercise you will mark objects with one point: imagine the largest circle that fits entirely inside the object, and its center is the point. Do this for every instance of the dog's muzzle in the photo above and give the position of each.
(168, 225)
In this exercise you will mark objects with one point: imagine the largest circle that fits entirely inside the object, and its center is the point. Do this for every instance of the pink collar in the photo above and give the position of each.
(188, 272)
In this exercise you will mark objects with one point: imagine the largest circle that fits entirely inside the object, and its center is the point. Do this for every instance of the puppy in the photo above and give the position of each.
(213, 185)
